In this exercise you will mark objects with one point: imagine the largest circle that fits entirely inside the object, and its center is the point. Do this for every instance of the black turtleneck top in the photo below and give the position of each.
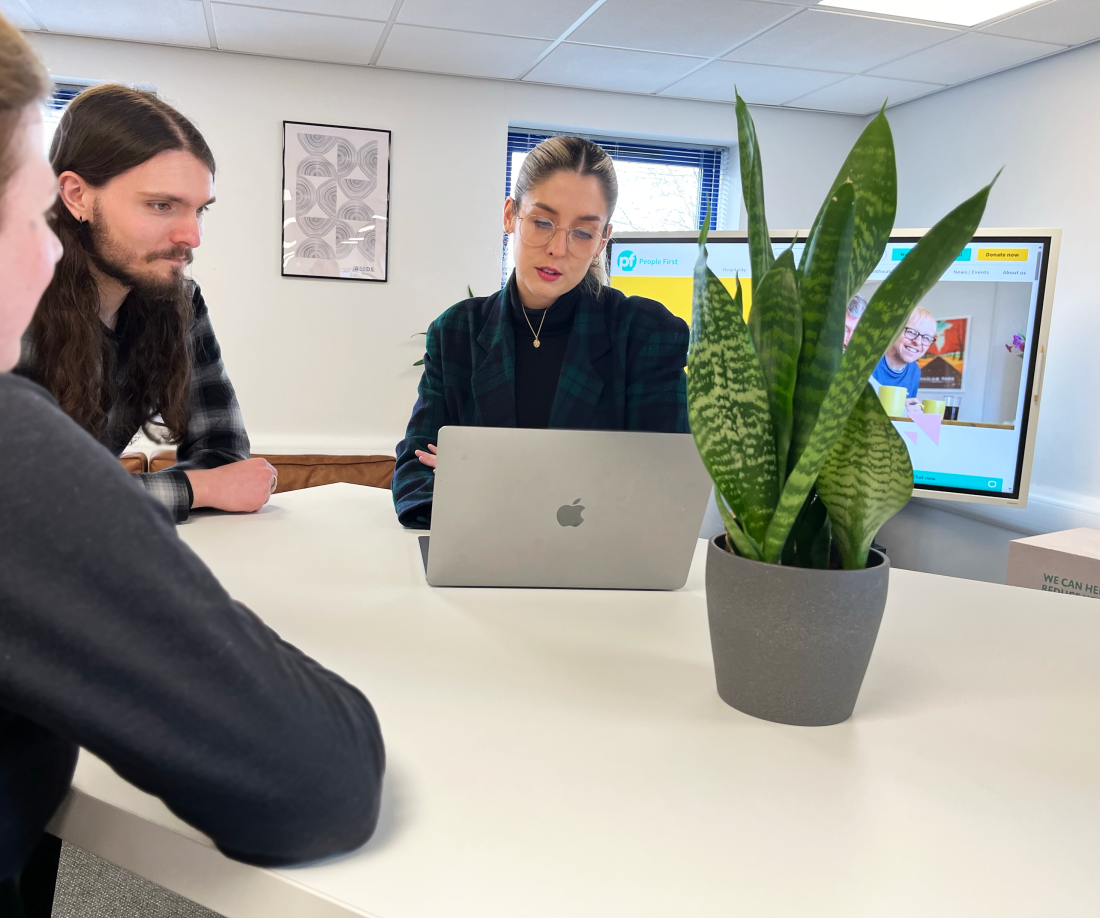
(538, 368)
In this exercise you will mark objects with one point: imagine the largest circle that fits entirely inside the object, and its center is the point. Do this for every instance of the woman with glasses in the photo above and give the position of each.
(556, 347)
(898, 366)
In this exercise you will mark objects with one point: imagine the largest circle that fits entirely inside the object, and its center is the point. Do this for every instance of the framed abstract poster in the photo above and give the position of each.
(336, 201)
(944, 364)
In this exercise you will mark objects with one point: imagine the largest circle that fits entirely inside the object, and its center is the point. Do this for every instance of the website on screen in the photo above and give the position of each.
(954, 383)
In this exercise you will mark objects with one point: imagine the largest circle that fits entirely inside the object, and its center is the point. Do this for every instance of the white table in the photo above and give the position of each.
(559, 753)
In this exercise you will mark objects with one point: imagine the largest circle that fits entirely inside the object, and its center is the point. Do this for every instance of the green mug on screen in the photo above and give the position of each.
(893, 400)
(933, 406)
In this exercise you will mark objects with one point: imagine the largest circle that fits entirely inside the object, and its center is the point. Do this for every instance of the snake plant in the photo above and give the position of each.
(802, 454)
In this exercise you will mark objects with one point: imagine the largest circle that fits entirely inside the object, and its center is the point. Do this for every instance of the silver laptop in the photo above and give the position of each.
(564, 508)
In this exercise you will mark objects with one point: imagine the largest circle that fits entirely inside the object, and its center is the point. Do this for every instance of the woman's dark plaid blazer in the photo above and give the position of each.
(623, 370)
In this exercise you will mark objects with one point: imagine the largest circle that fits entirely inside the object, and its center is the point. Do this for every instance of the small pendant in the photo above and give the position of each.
(536, 342)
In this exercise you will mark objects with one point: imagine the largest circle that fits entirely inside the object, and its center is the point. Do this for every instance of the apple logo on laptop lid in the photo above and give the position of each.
(570, 514)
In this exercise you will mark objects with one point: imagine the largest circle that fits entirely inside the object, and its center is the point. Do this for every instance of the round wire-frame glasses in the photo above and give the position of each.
(913, 335)
(537, 230)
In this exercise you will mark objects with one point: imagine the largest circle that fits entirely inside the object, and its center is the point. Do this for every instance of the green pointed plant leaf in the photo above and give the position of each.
(761, 255)
(822, 543)
(866, 479)
(809, 539)
(872, 170)
(745, 545)
(826, 267)
(728, 404)
(886, 314)
(775, 325)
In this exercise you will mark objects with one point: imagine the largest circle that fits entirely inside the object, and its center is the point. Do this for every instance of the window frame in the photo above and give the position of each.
(65, 89)
(61, 94)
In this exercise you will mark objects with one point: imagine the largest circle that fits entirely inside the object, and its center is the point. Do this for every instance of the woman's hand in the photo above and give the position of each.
(913, 404)
(428, 457)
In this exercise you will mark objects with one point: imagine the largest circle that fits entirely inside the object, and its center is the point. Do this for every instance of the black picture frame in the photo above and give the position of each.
(336, 202)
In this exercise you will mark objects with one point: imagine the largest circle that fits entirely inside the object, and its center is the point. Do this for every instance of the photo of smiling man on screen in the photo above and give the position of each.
(898, 366)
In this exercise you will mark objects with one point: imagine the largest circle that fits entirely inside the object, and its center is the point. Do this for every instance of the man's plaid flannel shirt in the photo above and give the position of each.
(215, 435)
(623, 370)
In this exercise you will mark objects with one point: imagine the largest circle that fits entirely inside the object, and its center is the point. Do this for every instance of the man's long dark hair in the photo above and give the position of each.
(106, 131)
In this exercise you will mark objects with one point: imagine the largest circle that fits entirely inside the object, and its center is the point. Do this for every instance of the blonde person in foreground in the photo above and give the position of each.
(115, 637)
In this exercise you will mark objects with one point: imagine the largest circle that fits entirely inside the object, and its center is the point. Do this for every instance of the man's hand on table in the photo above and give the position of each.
(243, 487)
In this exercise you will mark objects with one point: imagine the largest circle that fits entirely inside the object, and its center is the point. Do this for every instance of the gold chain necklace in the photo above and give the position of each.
(532, 327)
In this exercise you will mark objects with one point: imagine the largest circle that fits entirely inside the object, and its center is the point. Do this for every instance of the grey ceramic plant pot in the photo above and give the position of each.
(792, 645)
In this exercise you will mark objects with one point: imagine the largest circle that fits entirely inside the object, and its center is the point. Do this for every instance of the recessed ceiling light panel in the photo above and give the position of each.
(952, 12)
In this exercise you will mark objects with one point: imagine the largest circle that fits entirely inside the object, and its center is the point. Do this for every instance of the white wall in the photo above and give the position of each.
(1042, 123)
(326, 364)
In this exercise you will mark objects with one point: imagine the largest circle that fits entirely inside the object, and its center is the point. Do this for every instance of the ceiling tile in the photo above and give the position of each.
(351, 9)
(611, 68)
(967, 57)
(756, 83)
(863, 95)
(821, 40)
(466, 53)
(171, 22)
(13, 11)
(1065, 22)
(702, 27)
(497, 17)
(295, 35)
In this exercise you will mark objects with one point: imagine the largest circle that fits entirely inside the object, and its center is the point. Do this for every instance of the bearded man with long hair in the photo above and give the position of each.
(122, 338)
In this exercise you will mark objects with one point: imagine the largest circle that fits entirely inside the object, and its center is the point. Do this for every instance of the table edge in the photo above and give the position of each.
(187, 866)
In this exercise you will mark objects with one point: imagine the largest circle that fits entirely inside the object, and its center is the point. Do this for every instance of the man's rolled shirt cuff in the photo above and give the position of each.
(172, 488)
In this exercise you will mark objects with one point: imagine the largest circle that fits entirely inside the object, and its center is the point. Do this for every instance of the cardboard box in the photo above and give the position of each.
(1058, 562)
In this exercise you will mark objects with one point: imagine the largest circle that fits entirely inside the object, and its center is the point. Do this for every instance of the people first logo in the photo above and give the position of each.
(627, 260)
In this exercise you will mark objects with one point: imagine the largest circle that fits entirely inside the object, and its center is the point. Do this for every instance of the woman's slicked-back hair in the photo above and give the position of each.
(570, 154)
(23, 82)
(106, 131)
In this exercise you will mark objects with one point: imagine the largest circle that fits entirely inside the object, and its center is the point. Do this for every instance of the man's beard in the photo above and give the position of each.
(112, 260)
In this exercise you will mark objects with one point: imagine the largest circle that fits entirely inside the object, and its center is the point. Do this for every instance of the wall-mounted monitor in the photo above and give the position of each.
(972, 355)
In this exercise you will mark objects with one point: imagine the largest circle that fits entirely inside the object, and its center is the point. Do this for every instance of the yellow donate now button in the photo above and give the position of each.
(1002, 254)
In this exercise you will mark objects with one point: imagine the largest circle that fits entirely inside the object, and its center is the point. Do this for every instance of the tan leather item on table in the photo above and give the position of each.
(309, 471)
(134, 463)
(162, 459)
(297, 472)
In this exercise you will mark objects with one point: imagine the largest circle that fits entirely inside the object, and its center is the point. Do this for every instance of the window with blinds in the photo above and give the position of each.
(662, 187)
(54, 108)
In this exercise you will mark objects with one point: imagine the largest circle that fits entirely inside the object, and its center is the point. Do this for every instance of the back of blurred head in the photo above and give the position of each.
(104, 133)
(27, 251)
(23, 83)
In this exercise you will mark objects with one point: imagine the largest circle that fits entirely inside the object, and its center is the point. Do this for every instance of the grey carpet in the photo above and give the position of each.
(90, 887)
